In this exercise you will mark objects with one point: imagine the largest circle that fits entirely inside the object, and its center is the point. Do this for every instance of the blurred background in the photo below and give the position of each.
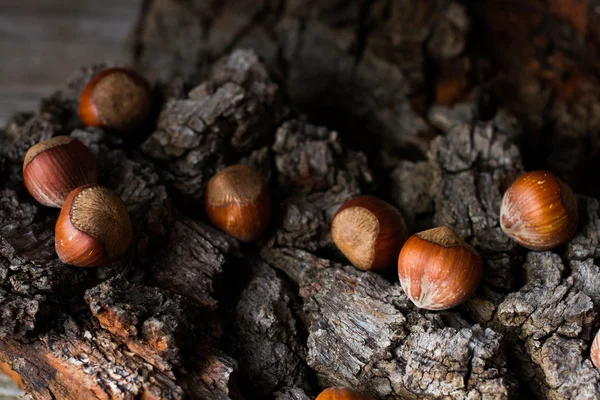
(42, 41)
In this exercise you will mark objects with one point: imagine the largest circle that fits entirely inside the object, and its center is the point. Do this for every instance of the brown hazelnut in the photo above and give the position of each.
(438, 270)
(116, 98)
(238, 203)
(93, 227)
(57, 166)
(539, 211)
(595, 350)
(369, 232)
(341, 393)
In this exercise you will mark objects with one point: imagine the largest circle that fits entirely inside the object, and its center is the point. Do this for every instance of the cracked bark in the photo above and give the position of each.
(349, 100)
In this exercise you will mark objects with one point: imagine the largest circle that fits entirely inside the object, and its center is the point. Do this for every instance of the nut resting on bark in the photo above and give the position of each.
(93, 227)
(539, 211)
(116, 98)
(238, 202)
(57, 166)
(438, 270)
(369, 232)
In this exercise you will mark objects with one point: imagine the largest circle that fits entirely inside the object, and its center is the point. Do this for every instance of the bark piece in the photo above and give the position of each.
(266, 340)
(364, 333)
(220, 121)
(411, 189)
(546, 304)
(152, 323)
(331, 54)
(291, 394)
(473, 169)
(317, 175)
(85, 363)
(555, 320)
(470, 360)
(584, 244)
(192, 259)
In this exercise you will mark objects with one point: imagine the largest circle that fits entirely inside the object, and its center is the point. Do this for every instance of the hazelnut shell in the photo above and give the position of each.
(57, 166)
(93, 227)
(438, 270)
(116, 98)
(238, 202)
(341, 393)
(369, 232)
(539, 211)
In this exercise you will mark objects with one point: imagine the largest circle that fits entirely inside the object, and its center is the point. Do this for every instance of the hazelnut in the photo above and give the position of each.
(53, 168)
(595, 350)
(238, 203)
(93, 227)
(438, 270)
(340, 393)
(116, 98)
(369, 232)
(539, 211)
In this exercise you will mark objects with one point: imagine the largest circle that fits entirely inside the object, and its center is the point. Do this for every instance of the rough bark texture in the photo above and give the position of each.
(549, 78)
(403, 99)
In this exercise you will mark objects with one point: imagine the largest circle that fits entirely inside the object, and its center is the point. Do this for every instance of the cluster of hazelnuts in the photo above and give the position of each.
(93, 227)
(437, 268)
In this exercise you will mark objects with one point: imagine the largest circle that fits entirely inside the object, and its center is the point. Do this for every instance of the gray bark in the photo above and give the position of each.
(340, 104)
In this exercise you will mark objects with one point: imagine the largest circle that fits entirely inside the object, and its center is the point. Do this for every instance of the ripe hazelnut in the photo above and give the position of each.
(53, 168)
(438, 270)
(116, 98)
(539, 211)
(340, 393)
(93, 227)
(369, 232)
(238, 203)
(595, 350)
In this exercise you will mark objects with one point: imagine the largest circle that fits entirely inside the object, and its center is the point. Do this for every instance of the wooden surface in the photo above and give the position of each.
(43, 41)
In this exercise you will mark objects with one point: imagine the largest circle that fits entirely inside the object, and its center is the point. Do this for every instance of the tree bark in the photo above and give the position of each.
(335, 99)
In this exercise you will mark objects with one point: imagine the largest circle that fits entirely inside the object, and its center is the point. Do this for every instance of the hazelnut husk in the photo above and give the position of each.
(369, 232)
(119, 99)
(93, 227)
(238, 202)
(55, 167)
(438, 270)
(342, 393)
(539, 211)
